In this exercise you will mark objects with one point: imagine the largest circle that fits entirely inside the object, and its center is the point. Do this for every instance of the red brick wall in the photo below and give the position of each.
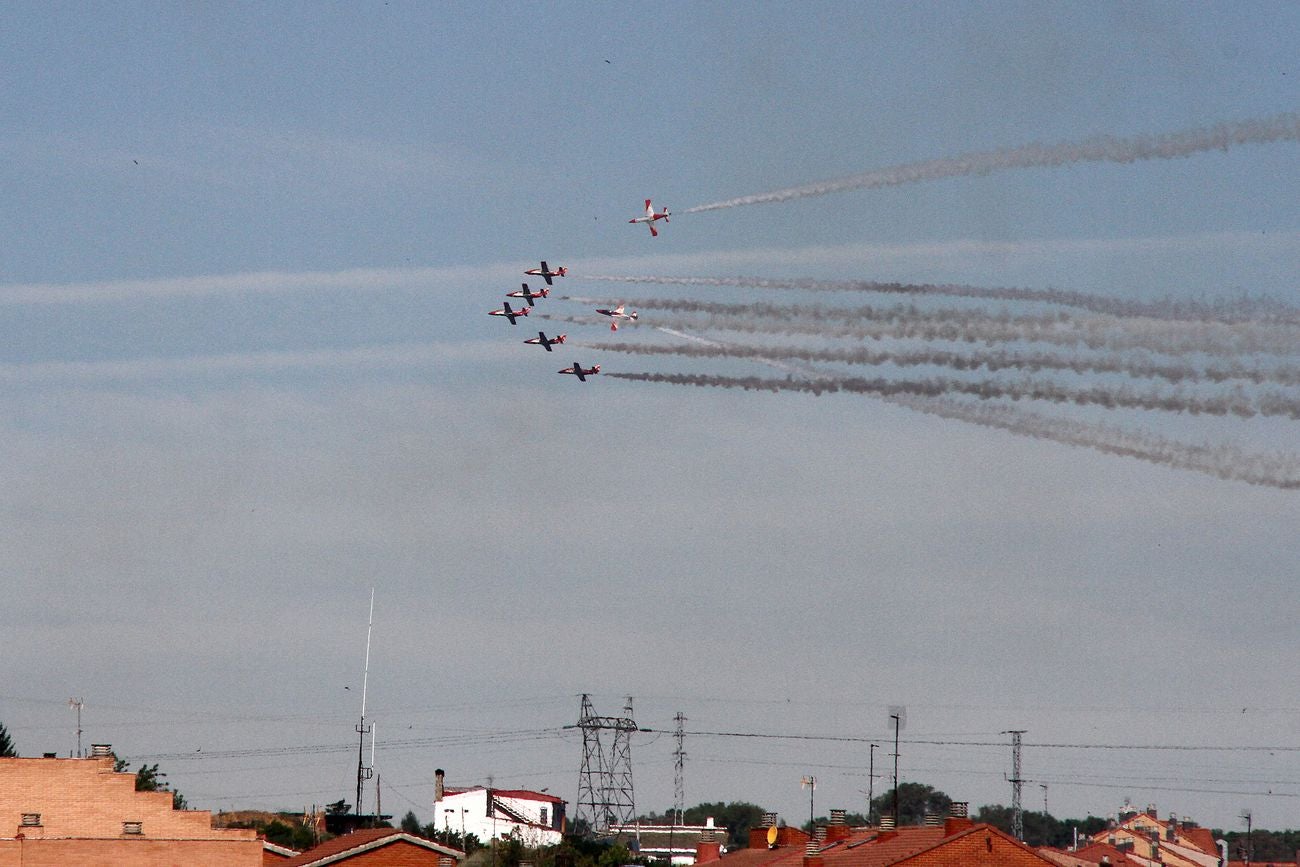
(83, 803)
(130, 853)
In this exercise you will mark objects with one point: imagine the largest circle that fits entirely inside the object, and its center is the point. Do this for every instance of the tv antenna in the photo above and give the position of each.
(364, 773)
(78, 705)
(898, 714)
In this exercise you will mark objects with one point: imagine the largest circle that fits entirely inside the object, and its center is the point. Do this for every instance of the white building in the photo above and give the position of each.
(536, 818)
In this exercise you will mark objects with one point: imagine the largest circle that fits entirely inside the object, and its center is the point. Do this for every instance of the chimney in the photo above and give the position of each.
(439, 777)
(812, 854)
(838, 828)
(707, 848)
(769, 819)
(887, 822)
(101, 751)
(958, 818)
(932, 820)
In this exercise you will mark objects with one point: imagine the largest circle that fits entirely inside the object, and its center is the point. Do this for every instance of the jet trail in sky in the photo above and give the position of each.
(1223, 461)
(1136, 365)
(1234, 310)
(1110, 397)
(1282, 127)
(974, 326)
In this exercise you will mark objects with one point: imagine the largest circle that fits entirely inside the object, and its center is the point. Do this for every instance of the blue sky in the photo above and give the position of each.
(247, 375)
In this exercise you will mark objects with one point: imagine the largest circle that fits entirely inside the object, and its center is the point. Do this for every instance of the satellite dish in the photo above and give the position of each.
(772, 834)
(898, 710)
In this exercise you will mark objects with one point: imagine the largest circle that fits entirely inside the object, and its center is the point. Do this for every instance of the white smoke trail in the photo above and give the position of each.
(1111, 397)
(1138, 366)
(1282, 127)
(1227, 310)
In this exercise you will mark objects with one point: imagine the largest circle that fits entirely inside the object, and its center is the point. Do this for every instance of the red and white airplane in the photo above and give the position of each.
(616, 314)
(546, 273)
(508, 313)
(527, 295)
(546, 342)
(650, 217)
(577, 371)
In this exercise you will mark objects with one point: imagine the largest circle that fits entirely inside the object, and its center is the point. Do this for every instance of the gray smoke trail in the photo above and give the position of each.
(1236, 404)
(1223, 461)
(975, 327)
(1282, 127)
(1136, 366)
(1236, 310)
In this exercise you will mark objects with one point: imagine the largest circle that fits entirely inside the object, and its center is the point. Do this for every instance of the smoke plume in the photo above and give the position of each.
(1109, 149)
(1235, 310)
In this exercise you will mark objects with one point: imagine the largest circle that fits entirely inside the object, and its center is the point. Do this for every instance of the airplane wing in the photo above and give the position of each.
(545, 343)
(527, 296)
(649, 211)
(546, 273)
(653, 232)
(510, 314)
(579, 372)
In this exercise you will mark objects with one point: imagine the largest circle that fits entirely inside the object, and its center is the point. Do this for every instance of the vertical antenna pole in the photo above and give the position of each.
(1017, 815)
(363, 773)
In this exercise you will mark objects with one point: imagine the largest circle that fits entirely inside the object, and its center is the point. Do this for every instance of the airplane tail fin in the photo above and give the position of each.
(562, 271)
(632, 314)
(595, 368)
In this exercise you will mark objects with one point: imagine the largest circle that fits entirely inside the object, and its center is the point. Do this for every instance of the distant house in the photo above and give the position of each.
(376, 847)
(535, 818)
(676, 843)
(1144, 838)
(80, 811)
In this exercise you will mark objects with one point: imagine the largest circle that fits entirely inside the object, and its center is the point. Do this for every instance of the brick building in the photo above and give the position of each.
(56, 812)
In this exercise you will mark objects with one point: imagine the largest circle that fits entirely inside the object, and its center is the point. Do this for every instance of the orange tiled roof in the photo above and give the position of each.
(358, 839)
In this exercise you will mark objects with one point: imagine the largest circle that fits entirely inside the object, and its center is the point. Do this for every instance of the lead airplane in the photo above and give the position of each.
(546, 273)
(546, 342)
(577, 371)
(508, 313)
(528, 296)
(650, 217)
(616, 314)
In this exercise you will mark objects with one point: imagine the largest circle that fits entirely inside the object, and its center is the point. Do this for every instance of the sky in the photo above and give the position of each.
(246, 376)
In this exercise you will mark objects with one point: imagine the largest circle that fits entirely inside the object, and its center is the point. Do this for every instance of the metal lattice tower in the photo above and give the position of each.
(605, 795)
(1017, 815)
(679, 771)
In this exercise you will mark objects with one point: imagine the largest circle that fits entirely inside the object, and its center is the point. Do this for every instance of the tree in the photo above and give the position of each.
(411, 823)
(7, 750)
(150, 779)
(915, 800)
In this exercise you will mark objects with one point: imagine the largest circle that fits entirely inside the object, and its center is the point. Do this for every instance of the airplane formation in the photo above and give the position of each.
(618, 314)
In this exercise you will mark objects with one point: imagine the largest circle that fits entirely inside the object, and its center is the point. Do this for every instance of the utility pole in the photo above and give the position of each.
(897, 718)
(679, 783)
(1017, 816)
(77, 705)
(871, 779)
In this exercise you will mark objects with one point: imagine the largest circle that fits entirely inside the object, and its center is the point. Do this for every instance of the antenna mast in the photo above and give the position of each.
(679, 771)
(1017, 816)
(364, 773)
(77, 705)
